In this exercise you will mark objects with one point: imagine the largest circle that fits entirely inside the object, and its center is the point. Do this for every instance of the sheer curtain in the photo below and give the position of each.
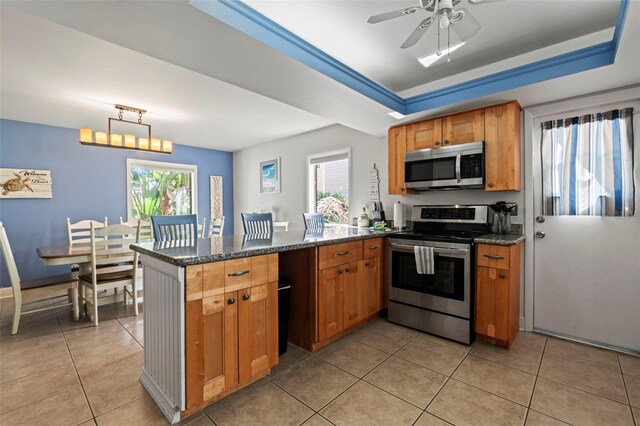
(587, 165)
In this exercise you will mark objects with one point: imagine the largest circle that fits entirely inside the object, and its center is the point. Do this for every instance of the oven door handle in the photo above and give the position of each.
(459, 167)
(409, 248)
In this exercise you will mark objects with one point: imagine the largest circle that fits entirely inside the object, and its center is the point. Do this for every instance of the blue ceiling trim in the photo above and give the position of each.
(246, 19)
(253, 23)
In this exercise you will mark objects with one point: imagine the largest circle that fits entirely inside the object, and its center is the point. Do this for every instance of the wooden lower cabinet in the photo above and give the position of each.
(350, 293)
(498, 293)
(231, 338)
(372, 282)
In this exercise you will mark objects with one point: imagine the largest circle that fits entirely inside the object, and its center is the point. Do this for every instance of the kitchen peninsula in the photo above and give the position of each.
(211, 309)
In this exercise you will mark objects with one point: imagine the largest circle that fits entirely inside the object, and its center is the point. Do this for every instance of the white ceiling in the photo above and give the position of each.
(509, 28)
(207, 84)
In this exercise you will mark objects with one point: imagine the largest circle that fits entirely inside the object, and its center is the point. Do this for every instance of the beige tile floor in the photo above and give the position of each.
(58, 372)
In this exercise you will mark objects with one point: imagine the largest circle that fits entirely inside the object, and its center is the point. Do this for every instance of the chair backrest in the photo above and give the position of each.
(167, 228)
(202, 228)
(313, 221)
(7, 254)
(146, 229)
(216, 226)
(110, 253)
(257, 223)
(78, 232)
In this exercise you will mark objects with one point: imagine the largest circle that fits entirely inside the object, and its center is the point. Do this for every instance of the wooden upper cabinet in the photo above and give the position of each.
(464, 127)
(502, 147)
(426, 134)
(397, 146)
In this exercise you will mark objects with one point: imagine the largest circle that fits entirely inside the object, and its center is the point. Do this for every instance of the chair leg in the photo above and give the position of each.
(135, 297)
(17, 309)
(95, 306)
(74, 301)
(83, 295)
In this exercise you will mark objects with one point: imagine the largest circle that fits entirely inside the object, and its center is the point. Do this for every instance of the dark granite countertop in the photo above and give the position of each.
(499, 239)
(184, 253)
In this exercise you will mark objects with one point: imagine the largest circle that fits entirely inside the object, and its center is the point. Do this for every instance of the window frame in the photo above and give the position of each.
(311, 195)
(166, 166)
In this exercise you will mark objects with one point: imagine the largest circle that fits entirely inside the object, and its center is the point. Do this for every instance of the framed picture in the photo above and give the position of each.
(270, 176)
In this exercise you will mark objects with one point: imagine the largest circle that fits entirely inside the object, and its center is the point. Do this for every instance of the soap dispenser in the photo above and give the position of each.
(363, 220)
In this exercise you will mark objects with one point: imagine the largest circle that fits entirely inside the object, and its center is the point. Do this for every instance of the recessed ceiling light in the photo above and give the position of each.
(397, 115)
(428, 60)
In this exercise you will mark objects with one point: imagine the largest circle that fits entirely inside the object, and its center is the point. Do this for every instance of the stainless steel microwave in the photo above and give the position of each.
(449, 167)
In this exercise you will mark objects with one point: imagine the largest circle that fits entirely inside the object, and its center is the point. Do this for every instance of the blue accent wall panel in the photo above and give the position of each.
(88, 183)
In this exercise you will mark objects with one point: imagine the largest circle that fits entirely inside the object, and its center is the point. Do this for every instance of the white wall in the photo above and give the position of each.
(289, 204)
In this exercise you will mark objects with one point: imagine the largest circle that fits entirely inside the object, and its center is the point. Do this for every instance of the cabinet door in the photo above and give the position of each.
(426, 134)
(257, 330)
(373, 285)
(502, 148)
(464, 127)
(353, 293)
(330, 302)
(397, 146)
(492, 302)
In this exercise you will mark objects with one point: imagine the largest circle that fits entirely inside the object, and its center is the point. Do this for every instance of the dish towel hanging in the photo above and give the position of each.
(424, 259)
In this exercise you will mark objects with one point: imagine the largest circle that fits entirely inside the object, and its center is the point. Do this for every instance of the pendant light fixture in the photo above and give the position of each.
(114, 140)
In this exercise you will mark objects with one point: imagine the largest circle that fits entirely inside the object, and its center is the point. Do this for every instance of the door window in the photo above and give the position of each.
(587, 165)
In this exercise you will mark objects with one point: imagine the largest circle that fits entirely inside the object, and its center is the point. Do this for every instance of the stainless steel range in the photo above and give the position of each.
(440, 303)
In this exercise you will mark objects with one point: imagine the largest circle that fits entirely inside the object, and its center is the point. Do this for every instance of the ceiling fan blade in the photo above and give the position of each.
(417, 33)
(467, 27)
(390, 15)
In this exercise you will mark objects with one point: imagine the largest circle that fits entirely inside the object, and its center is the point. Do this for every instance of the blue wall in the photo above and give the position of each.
(88, 183)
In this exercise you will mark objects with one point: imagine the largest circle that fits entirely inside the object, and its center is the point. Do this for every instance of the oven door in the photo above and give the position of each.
(446, 291)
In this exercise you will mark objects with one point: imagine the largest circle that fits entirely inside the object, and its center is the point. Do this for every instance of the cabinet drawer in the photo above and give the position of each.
(237, 274)
(493, 256)
(338, 254)
(372, 248)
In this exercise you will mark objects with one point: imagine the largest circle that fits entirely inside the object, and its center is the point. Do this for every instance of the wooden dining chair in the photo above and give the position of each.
(146, 228)
(216, 226)
(313, 221)
(168, 228)
(78, 232)
(113, 265)
(202, 228)
(58, 282)
(257, 223)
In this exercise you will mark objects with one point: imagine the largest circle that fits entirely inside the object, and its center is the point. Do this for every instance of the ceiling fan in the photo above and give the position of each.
(442, 11)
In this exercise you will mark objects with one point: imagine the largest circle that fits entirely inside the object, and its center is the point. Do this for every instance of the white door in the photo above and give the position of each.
(587, 268)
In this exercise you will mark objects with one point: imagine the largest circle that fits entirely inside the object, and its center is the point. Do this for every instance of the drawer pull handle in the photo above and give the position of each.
(231, 301)
(238, 274)
(493, 256)
(373, 248)
(342, 253)
(246, 296)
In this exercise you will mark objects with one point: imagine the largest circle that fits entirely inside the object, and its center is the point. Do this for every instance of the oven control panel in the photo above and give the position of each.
(459, 214)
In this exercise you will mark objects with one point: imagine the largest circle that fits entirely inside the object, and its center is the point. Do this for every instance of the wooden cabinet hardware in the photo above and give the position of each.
(502, 275)
(231, 300)
(373, 248)
(343, 253)
(238, 274)
(493, 256)
(491, 184)
(245, 296)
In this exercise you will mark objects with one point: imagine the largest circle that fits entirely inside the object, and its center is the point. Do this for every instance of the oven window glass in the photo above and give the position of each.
(426, 170)
(447, 281)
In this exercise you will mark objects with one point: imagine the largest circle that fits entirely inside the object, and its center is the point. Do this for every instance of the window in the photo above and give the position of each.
(587, 165)
(329, 186)
(158, 188)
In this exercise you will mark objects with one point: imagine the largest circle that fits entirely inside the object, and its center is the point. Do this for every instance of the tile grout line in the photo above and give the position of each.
(535, 382)
(86, 397)
(624, 383)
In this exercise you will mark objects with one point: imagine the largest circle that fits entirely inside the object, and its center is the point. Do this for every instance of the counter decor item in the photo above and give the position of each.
(398, 216)
(501, 223)
(363, 220)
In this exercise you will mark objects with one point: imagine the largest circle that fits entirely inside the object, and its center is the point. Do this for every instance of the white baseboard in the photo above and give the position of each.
(6, 292)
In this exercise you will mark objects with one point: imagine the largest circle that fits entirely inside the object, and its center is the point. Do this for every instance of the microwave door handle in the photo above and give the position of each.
(458, 167)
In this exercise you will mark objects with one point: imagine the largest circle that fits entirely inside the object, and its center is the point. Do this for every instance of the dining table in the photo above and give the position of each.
(65, 254)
